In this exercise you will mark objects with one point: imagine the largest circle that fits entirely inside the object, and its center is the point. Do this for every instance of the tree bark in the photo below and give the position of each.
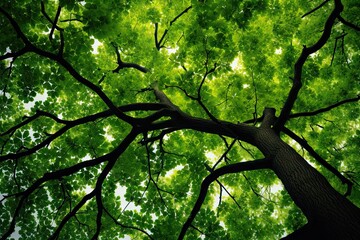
(330, 215)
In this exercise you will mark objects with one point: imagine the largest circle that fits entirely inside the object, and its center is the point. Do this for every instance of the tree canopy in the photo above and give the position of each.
(186, 119)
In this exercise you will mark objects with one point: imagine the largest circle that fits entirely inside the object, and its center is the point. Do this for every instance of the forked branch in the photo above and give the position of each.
(122, 64)
(306, 51)
(160, 43)
(232, 168)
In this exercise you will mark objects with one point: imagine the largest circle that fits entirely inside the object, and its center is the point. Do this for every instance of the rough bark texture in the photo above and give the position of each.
(330, 215)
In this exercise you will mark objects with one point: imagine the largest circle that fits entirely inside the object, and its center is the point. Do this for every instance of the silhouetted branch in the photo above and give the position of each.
(183, 12)
(232, 168)
(349, 24)
(326, 109)
(54, 23)
(100, 208)
(313, 10)
(122, 64)
(319, 159)
(160, 44)
(224, 154)
(222, 187)
(111, 159)
(69, 68)
(306, 51)
(74, 123)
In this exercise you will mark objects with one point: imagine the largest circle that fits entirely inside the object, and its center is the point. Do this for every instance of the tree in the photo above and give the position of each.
(172, 119)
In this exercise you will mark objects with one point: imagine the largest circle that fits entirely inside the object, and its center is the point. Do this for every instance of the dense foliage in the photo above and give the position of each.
(112, 114)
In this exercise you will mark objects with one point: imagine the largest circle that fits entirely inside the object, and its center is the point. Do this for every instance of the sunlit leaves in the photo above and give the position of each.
(251, 46)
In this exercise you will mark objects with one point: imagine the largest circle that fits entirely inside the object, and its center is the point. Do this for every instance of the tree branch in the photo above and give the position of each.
(319, 159)
(297, 84)
(232, 168)
(61, 61)
(77, 122)
(349, 24)
(222, 186)
(111, 158)
(326, 109)
(313, 10)
(125, 226)
(122, 64)
(160, 44)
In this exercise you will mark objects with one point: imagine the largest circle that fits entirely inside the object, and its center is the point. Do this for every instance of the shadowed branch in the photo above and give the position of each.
(232, 168)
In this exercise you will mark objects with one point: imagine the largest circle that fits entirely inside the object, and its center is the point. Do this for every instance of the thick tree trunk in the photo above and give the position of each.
(330, 215)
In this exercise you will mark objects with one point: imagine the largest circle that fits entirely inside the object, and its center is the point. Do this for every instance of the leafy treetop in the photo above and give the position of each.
(94, 94)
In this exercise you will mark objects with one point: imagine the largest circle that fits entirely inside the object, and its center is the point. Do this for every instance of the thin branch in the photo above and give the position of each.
(319, 159)
(126, 226)
(313, 10)
(183, 90)
(55, 23)
(38, 114)
(232, 168)
(349, 24)
(222, 187)
(122, 64)
(71, 20)
(183, 12)
(336, 40)
(326, 109)
(160, 44)
(111, 158)
(151, 179)
(256, 98)
(58, 174)
(224, 154)
(100, 208)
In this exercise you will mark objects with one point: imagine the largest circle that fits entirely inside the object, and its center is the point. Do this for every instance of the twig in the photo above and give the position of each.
(313, 10)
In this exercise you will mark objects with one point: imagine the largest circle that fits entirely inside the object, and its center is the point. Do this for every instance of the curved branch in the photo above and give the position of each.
(313, 10)
(84, 120)
(122, 64)
(297, 84)
(349, 24)
(160, 44)
(111, 157)
(232, 168)
(70, 69)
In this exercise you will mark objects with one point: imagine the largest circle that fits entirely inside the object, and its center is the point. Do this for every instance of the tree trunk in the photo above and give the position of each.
(330, 215)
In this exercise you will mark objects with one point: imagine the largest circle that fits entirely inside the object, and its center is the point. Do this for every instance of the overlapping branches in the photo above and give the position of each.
(71, 124)
(306, 51)
(122, 64)
(198, 97)
(178, 120)
(232, 168)
(110, 157)
(29, 47)
(160, 43)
